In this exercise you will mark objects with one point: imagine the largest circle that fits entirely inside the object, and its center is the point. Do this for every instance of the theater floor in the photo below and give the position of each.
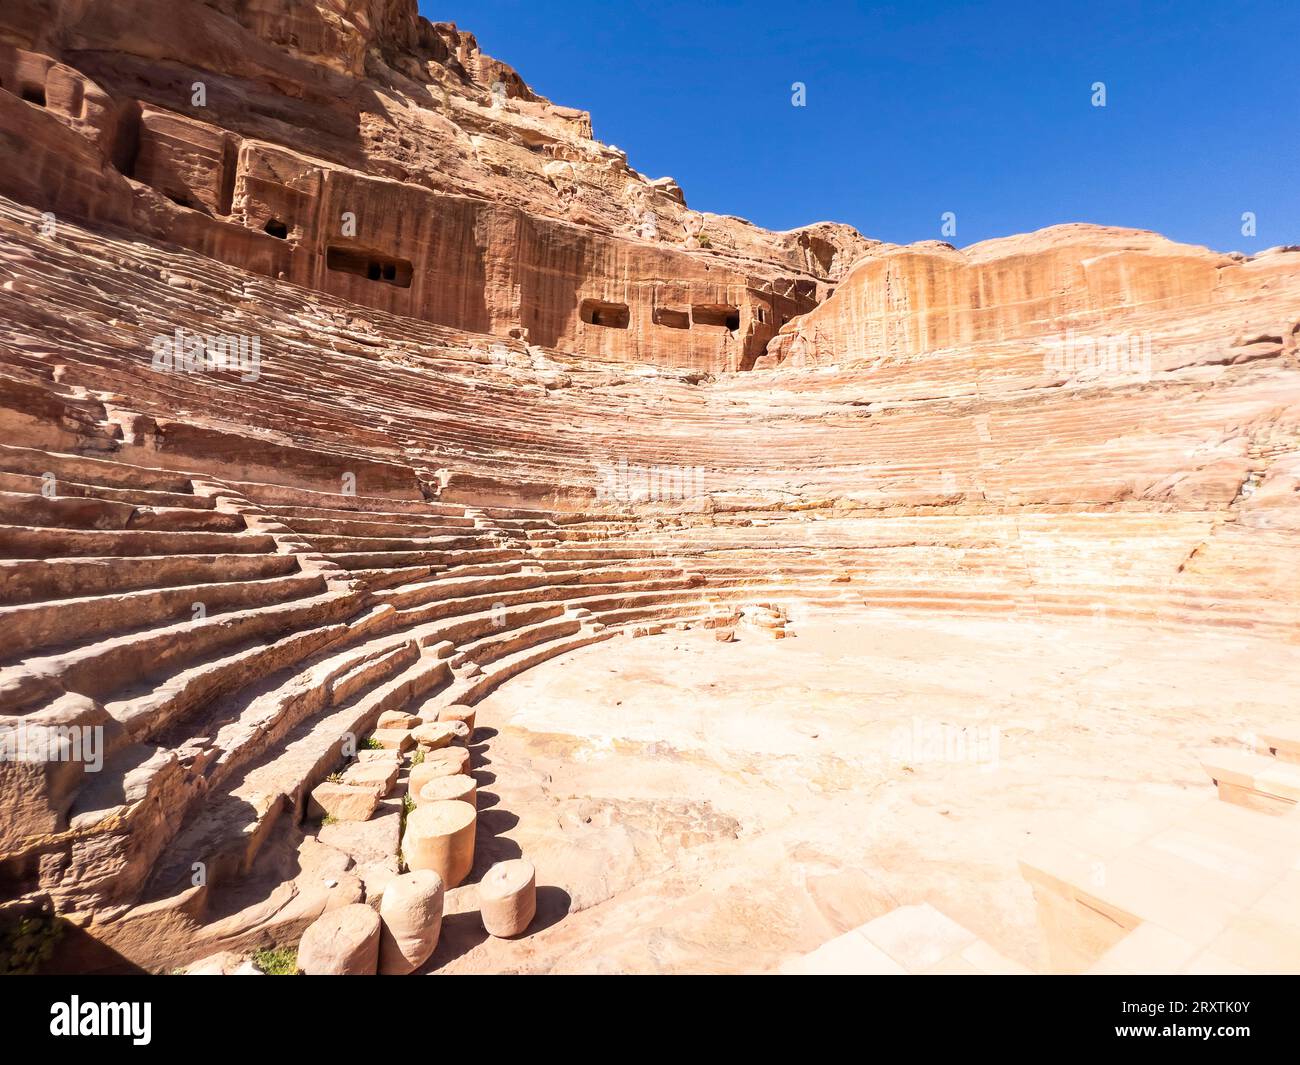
(700, 806)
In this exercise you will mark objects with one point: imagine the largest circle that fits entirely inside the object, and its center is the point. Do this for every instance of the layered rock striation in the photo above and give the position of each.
(372, 380)
(363, 151)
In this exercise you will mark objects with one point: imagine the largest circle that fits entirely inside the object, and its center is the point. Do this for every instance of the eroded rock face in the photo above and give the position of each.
(361, 150)
(899, 302)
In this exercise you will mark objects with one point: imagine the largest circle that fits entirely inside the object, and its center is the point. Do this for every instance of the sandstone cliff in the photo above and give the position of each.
(902, 301)
(475, 411)
(361, 150)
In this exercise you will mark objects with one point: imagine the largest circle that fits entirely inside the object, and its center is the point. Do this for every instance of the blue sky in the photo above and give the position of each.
(918, 108)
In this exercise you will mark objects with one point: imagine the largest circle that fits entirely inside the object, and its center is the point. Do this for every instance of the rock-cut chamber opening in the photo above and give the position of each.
(610, 315)
(718, 314)
(672, 319)
(370, 265)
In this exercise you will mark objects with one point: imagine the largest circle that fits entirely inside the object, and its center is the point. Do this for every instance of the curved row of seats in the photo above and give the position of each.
(229, 577)
(315, 614)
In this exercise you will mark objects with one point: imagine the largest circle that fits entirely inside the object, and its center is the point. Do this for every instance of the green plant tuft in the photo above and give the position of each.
(277, 961)
(28, 942)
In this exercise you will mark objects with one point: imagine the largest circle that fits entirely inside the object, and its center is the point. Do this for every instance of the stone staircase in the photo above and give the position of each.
(1140, 890)
(224, 578)
(1266, 779)
(908, 941)
(228, 658)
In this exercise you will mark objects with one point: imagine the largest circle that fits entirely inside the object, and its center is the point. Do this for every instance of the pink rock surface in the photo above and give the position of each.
(484, 412)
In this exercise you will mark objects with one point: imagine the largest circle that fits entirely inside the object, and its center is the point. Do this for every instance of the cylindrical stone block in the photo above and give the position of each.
(440, 734)
(411, 914)
(342, 942)
(440, 836)
(447, 762)
(419, 776)
(397, 719)
(422, 774)
(440, 789)
(458, 713)
(507, 897)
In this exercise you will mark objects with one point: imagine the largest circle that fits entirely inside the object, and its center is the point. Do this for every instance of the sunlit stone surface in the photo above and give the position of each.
(793, 600)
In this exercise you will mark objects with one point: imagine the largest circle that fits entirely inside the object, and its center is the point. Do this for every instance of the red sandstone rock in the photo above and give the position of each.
(898, 302)
(397, 739)
(440, 836)
(439, 189)
(411, 912)
(380, 776)
(494, 427)
(343, 942)
(447, 762)
(441, 789)
(507, 898)
(458, 713)
(344, 802)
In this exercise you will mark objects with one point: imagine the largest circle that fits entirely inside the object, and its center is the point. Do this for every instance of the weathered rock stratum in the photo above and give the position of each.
(360, 150)
(344, 379)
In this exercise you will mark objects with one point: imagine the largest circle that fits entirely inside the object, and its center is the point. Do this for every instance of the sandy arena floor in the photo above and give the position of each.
(696, 806)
